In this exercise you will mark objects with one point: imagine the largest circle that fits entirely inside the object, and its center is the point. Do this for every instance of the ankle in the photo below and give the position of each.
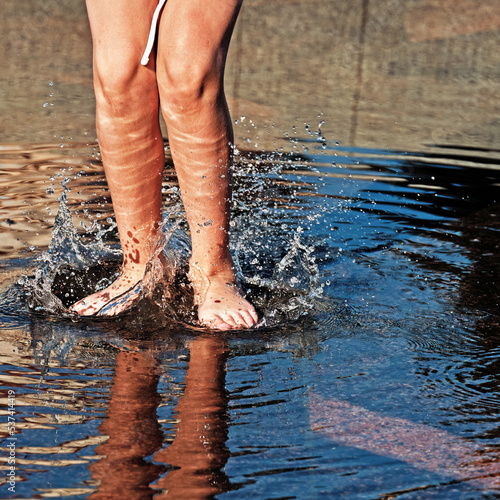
(221, 268)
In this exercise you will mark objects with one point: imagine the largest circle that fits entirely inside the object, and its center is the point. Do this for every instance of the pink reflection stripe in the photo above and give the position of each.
(419, 445)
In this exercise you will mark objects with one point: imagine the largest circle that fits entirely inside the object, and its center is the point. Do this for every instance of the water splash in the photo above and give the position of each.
(293, 289)
(67, 255)
(73, 268)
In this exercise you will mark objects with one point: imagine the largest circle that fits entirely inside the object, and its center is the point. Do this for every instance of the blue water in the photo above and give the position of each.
(375, 375)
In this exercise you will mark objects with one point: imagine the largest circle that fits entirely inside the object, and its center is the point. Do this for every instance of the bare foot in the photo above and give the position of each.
(221, 302)
(114, 299)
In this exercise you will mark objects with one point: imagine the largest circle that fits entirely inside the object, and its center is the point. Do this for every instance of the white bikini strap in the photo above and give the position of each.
(152, 33)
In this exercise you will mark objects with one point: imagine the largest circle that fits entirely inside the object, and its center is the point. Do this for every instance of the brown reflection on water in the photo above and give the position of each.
(195, 458)
(198, 451)
(189, 465)
(31, 184)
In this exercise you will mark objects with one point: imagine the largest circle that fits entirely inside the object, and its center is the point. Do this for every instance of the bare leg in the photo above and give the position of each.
(129, 137)
(192, 47)
(193, 42)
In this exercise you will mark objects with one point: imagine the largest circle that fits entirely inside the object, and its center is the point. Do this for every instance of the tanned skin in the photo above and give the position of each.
(183, 78)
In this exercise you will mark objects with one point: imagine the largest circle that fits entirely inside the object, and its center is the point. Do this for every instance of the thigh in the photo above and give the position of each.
(194, 35)
(120, 31)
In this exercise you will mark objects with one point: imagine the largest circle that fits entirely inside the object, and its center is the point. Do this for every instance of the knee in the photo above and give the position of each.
(187, 85)
(122, 84)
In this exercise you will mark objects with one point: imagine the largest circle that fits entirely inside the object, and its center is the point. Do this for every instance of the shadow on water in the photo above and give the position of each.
(375, 372)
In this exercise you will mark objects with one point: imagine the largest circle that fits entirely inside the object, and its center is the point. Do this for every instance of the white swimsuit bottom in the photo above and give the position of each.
(152, 33)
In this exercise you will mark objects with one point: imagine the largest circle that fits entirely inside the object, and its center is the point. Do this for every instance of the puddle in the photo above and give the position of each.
(368, 238)
(370, 267)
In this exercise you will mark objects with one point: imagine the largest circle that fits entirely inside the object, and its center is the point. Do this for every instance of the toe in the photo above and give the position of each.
(250, 318)
(227, 319)
(240, 320)
(223, 327)
(217, 323)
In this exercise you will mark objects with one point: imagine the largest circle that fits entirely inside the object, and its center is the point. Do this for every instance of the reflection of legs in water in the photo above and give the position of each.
(134, 433)
(133, 430)
(199, 448)
(193, 41)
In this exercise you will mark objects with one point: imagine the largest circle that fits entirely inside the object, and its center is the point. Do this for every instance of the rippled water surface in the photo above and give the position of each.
(372, 255)
(375, 377)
